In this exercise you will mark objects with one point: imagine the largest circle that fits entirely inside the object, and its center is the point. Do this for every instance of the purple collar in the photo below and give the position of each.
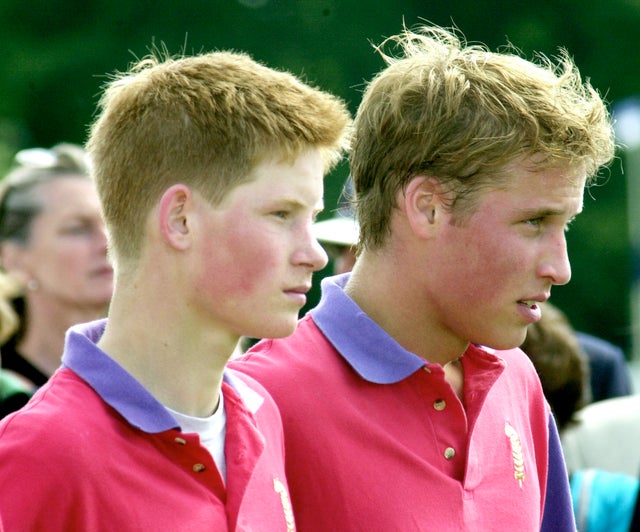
(372, 353)
(117, 387)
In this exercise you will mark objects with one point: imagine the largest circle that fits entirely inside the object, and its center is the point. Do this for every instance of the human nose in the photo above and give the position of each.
(311, 253)
(100, 238)
(556, 265)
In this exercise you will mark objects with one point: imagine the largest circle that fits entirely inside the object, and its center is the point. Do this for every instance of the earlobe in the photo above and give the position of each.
(175, 205)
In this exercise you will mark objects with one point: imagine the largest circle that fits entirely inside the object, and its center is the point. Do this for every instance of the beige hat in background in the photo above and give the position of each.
(339, 230)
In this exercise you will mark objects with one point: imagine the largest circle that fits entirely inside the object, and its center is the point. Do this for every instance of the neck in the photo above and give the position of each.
(392, 296)
(168, 349)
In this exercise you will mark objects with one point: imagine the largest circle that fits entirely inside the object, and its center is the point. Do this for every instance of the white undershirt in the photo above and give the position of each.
(211, 430)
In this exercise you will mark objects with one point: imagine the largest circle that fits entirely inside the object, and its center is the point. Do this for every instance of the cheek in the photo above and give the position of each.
(505, 270)
(480, 265)
(62, 259)
(239, 263)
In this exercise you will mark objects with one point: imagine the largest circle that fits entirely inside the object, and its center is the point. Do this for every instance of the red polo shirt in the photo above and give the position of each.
(377, 440)
(93, 450)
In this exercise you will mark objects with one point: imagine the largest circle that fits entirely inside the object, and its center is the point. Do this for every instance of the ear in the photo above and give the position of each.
(422, 203)
(175, 210)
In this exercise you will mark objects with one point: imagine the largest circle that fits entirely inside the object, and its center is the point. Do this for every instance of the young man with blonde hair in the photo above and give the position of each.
(405, 401)
(210, 174)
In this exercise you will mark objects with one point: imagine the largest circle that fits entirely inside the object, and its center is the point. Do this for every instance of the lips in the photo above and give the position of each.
(533, 302)
(530, 309)
(302, 289)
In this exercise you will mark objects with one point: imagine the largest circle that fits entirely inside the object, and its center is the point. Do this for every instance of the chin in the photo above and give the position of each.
(502, 342)
(100, 302)
(278, 330)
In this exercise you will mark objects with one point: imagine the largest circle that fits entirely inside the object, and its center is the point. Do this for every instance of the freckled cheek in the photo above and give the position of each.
(491, 271)
(237, 264)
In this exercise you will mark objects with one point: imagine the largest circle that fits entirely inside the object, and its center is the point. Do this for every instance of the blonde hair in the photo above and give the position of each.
(9, 318)
(205, 121)
(460, 113)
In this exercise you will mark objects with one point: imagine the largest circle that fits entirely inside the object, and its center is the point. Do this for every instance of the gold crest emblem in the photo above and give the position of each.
(281, 490)
(516, 453)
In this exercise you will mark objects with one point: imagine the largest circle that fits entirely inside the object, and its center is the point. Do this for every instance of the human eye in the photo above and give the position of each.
(534, 222)
(77, 228)
(281, 214)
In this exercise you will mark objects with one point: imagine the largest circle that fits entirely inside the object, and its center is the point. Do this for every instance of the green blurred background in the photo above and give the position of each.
(56, 56)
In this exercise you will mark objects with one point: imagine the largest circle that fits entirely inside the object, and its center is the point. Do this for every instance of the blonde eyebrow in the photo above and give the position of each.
(297, 204)
(546, 211)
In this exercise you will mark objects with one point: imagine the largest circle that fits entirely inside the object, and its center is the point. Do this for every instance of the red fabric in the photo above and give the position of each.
(365, 456)
(69, 462)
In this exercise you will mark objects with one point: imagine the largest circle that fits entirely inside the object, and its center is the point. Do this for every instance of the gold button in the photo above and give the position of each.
(181, 441)
(449, 453)
(198, 468)
(426, 369)
(439, 404)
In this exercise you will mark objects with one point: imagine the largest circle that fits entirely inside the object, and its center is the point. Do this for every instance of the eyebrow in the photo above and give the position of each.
(294, 203)
(546, 211)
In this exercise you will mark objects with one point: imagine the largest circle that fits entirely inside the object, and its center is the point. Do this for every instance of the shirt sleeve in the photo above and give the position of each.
(558, 509)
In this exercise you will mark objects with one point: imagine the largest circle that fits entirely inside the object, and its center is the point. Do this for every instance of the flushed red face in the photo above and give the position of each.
(257, 266)
(488, 274)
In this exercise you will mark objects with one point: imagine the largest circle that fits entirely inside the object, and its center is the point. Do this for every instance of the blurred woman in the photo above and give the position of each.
(53, 244)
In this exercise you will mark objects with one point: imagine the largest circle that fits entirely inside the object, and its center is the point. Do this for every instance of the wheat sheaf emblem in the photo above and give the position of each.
(516, 453)
(281, 490)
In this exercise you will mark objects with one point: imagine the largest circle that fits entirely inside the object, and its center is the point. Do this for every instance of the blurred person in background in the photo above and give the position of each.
(339, 234)
(600, 441)
(602, 454)
(609, 371)
(562, 365)
(53, 246)
(605, 435)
